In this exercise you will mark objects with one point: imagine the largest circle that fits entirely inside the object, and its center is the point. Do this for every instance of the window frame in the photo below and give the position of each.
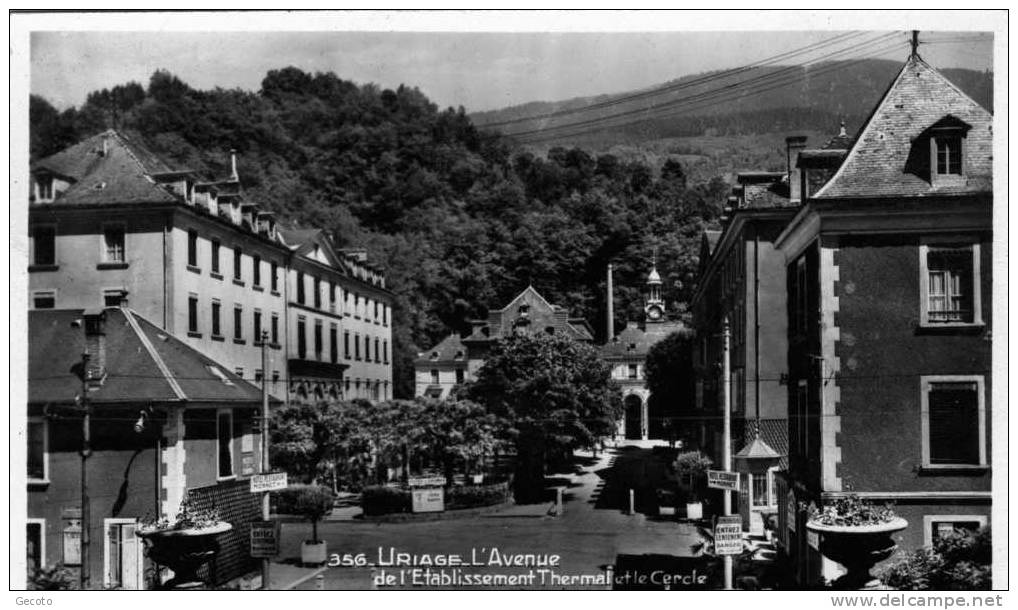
(34, 262)
(929, 520)
(104, 246)
(45, 480)
(42, 539)
(256, 271)
(925, 383)
(192, 250)
(942, 135)
(238, 265)
(233, 462)
(302, 346)
(193, 330)
(215, 257)
(215, 318)
(47, 292)
(238, 323)
(957, 242)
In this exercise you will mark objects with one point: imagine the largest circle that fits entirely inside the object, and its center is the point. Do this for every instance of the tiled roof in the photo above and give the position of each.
(891, 155)
(635, 342)
(121, 175)
(445, 351)
(143, 363)
(540, 316)
(298, 237)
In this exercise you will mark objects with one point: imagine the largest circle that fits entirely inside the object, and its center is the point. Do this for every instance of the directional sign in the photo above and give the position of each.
(264, 539)
(728, 535)
(268, 482)
(428, 499)
(427, 482)
(720, 479)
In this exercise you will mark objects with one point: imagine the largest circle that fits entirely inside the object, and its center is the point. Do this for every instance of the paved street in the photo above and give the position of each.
(593, 530)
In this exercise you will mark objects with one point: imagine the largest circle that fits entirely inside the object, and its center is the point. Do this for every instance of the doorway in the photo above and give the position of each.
(634, 417)
(122, 556)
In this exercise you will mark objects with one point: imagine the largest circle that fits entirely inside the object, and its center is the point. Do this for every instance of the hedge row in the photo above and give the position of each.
(385, 499)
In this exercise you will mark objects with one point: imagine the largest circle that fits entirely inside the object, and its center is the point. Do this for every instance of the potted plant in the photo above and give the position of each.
(313, 502)
(184, 544)
(691, 470)
(857, 535)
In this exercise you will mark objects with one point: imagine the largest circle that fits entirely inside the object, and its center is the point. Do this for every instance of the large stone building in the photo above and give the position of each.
(888, 277)
(627, 355)
(456, 359)
(110, 222)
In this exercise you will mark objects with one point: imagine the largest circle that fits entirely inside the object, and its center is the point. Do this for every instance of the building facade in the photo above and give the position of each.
(457, 359)
(889, 290)
(167, 423)
(110, 222)
(627, 355)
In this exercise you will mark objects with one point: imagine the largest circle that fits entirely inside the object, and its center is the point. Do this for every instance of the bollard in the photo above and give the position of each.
(320, 582)
(632, 503)
(558, 501)
(610, 571)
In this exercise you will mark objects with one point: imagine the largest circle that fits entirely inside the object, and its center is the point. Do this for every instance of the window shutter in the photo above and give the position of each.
(954, 423)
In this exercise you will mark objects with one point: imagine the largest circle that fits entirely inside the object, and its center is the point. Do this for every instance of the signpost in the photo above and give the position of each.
(728, 535)
(273, 481)
(428, 495)
(813, 539)
(721, 479)
(264, 539)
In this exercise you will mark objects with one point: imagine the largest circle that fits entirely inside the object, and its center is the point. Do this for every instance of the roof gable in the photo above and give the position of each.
(892, 148)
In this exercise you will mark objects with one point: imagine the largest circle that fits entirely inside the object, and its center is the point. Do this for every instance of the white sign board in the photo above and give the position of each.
(728, 535)
(428, 499)
(791, 512)
(264, 539)
(427, 481)
(268, 482)
(720, 479)
(813, 539)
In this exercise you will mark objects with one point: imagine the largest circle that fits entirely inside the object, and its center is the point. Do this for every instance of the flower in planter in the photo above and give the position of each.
(188, 517)
(851, 510)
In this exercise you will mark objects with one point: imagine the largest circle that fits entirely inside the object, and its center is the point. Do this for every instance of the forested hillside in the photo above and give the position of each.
(459, 219)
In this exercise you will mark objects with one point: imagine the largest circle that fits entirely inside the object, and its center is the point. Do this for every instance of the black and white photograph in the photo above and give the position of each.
(510, 301)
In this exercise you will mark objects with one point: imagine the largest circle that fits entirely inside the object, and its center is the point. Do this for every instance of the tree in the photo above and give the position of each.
(670, 375)
(958, 561)
(457, 431)
(555, 393)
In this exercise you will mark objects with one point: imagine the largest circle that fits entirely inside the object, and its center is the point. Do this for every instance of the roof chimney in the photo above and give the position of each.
(106, 144)
(793, 146)
(95, 346)
(842, 133)
(233, 165)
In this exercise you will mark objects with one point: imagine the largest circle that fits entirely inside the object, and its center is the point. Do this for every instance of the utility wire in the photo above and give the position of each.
(676, 86)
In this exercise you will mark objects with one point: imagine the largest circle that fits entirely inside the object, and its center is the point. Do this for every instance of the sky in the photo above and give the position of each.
(478, 70)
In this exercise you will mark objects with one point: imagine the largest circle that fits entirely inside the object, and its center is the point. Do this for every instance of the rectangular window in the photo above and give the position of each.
(215, 256)
(357, 306)
(318, 339)
(950, 287)
(385, 352)
(376, 312)
(224, 433)
(333, 343)
(953, 418)
(238, 322)
(257, 327)
(256, 270)
(332, 297)
(948, 155)
(346, 344)
(800, 305)
(385, 315)
(275, 329)
(633, 371)
(378, 352)
(44, 299)
(114, 297)
(459, 375)
(938, 526)
(238, 267)
(34, 539)
(113, 244)
(192, 248)
(367, 348)
(302, 347)
(37, 449)
(356, 346)
(761, 489)
(275, 277)
(434, 376)
(217, 309)
(318, 293)
(45, 186)
(44, 245)
(192, 313)
(300, 287)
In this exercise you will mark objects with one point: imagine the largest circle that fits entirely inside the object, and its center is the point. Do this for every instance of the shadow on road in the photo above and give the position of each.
(645, 471)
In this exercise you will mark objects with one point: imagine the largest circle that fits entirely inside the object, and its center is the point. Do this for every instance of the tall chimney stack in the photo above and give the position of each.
(95, 346)
(233, 165)
(610, 327)
(793, 146)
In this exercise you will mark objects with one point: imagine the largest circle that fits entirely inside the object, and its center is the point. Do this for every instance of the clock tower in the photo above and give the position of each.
(655, 305)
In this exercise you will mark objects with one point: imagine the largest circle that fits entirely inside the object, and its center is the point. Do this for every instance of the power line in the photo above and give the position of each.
(679, 106)
(676, 86)
(757, 80)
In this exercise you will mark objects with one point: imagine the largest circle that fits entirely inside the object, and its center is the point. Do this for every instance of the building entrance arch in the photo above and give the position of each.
(635, 416)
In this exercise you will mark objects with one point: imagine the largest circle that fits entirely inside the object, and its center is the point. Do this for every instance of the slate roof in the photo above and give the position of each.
(143, 363)
(445, 351)
(541, 315)
(122, 175)
(887, 157)
(635, 342)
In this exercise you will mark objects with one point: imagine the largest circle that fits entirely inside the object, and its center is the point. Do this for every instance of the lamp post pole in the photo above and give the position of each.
(86, 452)
(726, 452)
(266, 562)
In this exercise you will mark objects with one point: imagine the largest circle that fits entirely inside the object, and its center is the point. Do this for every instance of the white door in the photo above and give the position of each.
(123, 557)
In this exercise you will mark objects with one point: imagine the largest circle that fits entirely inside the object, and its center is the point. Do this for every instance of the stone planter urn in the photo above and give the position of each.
(858, 548)
(184, 551)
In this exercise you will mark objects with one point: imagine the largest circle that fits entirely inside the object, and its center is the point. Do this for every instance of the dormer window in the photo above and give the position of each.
(45, 188)
(459, 355)
(948, 154)
(947, 150)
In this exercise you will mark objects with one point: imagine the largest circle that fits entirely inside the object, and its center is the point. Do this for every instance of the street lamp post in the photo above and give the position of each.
(86, 452)
(266, 563)
(726, 451)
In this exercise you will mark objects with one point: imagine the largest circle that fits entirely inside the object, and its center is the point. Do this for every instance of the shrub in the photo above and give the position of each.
(958, 561)
(384, 500)
(313, 502)
(471, 496)
(54, 578)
